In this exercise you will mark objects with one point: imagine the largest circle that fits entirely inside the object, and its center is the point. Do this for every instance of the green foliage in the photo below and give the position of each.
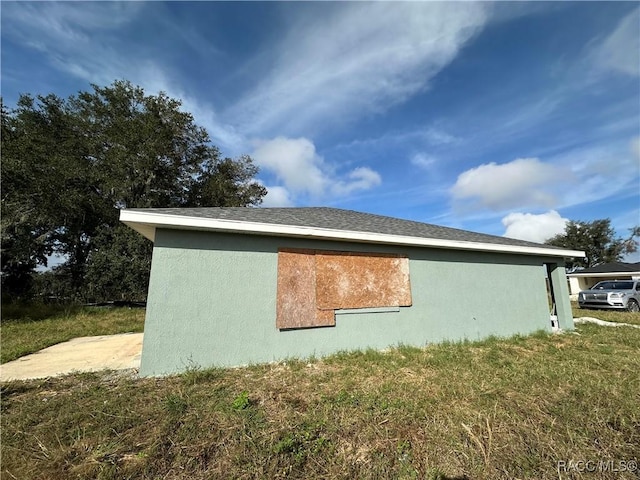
(175, 404)
(227, 183)
(194, 375)
(598, 240)
(241, 402)
(69, 165)
(119, 265)
(305, 441)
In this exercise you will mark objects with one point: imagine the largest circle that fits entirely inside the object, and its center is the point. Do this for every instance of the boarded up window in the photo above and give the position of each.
(314, 283)
(296, 302)
(353, 280)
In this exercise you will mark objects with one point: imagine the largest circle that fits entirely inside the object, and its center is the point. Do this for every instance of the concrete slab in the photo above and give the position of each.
(84, 354)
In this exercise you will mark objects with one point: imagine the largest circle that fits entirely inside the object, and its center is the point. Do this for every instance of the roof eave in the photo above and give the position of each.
(602, 274)
(146, 223)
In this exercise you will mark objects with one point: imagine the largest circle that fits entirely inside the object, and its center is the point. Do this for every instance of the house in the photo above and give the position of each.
(586, 278)
(234, 286)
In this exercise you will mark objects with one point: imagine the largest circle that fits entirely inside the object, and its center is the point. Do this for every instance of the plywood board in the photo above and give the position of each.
(361, 280)
(296, 292)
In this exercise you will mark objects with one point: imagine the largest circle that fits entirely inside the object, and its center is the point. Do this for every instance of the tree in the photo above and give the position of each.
(38, 144)
(69, 165)
(598, 240)
(119, 265)
(227, 183)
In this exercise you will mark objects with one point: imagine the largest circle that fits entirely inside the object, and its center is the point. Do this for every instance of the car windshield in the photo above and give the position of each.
(613, 286)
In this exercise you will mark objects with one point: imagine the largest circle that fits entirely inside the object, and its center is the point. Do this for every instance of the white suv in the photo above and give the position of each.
(612, 294)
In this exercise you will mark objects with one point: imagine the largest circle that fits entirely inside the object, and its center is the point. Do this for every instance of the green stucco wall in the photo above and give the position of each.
(212, 302)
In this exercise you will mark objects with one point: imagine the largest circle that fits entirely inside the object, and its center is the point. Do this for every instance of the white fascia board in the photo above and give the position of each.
(609, 274)
(146, 223)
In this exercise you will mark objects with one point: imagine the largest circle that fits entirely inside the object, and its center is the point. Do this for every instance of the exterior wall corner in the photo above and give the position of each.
(558, 278)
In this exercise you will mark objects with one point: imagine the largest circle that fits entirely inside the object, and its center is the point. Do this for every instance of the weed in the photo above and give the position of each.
(195, 375)
(305, 441)
(344, 398)
(241, 402)
(175, 404)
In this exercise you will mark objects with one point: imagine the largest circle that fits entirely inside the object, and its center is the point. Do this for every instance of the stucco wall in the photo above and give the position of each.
(212, 302)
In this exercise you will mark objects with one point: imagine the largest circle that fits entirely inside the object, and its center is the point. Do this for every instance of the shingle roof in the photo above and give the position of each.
(613, 267)
(339, 219)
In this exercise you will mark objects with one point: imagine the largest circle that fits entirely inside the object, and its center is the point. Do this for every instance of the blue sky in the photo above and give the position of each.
(503, 118)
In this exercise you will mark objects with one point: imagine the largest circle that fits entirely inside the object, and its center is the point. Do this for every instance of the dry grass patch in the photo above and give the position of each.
(485, 410)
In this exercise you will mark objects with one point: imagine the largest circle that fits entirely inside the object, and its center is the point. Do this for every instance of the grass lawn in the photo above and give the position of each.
(495, 409)
(26, 330)
(607, 315)
(29, 329)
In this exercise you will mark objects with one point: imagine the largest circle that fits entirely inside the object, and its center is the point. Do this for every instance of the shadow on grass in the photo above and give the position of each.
(28, 312)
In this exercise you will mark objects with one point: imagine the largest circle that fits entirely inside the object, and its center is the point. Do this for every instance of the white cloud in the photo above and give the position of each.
(604, 171)
(277, 197)
(524, 182)
(575, 177)
(423, 160)
(295, 162)
(534, 228)
(356, 58)
(68, 20)
(361, 178)
(436, 136)
(619, 51)
(65, 32)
